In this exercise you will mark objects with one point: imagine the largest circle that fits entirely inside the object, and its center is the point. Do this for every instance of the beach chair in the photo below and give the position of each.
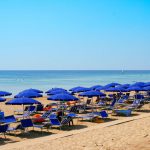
(15, 129)
(73, 109)
(112, 105)
(31, 109)
(39, 108)
(10, 119)
(135, 105)
(25, 115)
(26, 123)
(55, 122)
(3, 129)
(122, 100)
(103, 114)
(90, 116)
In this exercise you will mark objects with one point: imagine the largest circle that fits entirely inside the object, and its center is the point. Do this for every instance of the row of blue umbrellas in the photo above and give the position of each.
(63, 94)
(116, 87)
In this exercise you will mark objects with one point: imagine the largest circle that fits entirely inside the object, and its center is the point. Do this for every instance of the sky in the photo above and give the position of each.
(74, 34)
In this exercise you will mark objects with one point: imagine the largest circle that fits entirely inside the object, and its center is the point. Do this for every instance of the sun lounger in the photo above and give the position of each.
(10, 119)
(30, 109)
(55, 122)
(26, 123)
(135, 105)
(90, 116)
(25, 115)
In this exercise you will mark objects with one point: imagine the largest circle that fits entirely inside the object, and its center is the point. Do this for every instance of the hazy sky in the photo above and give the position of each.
(75, 34)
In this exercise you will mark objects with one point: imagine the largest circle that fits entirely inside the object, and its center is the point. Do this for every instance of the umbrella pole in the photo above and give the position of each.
(92, 105)
(23, 111)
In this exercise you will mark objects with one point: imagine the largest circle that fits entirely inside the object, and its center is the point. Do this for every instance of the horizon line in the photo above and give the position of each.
(76, 70)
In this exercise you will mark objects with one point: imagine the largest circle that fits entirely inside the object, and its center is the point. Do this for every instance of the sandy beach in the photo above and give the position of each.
(119, 133)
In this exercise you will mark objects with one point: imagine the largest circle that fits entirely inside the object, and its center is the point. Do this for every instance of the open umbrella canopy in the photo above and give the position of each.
(112, 84)
(55, 89)
(74, 88)
(28, 94)
(135, 88)
(95, 87)
(116, 89)
(92, 94)
(147, 84)
(22, 101)
(57, 92)
(4, 93)
(147, 88)
(141, 84)
(2, 99)
(124, 86)
(81, 89)
(63, 97)
(33, 90)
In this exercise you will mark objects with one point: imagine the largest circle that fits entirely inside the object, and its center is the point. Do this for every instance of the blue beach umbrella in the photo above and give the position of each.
(63, 97)
(116, 89)
(74, 88)
(28, 94)
(91, 94)
(33, 90)
(124, 86)
(147, 84)
(147, 88)
(81, 89)
(22, 101)
(141, 84)
(135, 88)
(112, 84)
(95, 87)
(100, 88)
(4, 93)
(55, 89)
(57, 92)
(2, 99)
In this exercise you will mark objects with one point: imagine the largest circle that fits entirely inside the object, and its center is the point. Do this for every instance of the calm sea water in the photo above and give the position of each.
(15, 81)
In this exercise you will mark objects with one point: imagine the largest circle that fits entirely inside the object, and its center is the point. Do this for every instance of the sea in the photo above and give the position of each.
(16, 81)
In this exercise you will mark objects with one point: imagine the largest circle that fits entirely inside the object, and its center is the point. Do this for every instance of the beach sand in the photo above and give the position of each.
(119, 133)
